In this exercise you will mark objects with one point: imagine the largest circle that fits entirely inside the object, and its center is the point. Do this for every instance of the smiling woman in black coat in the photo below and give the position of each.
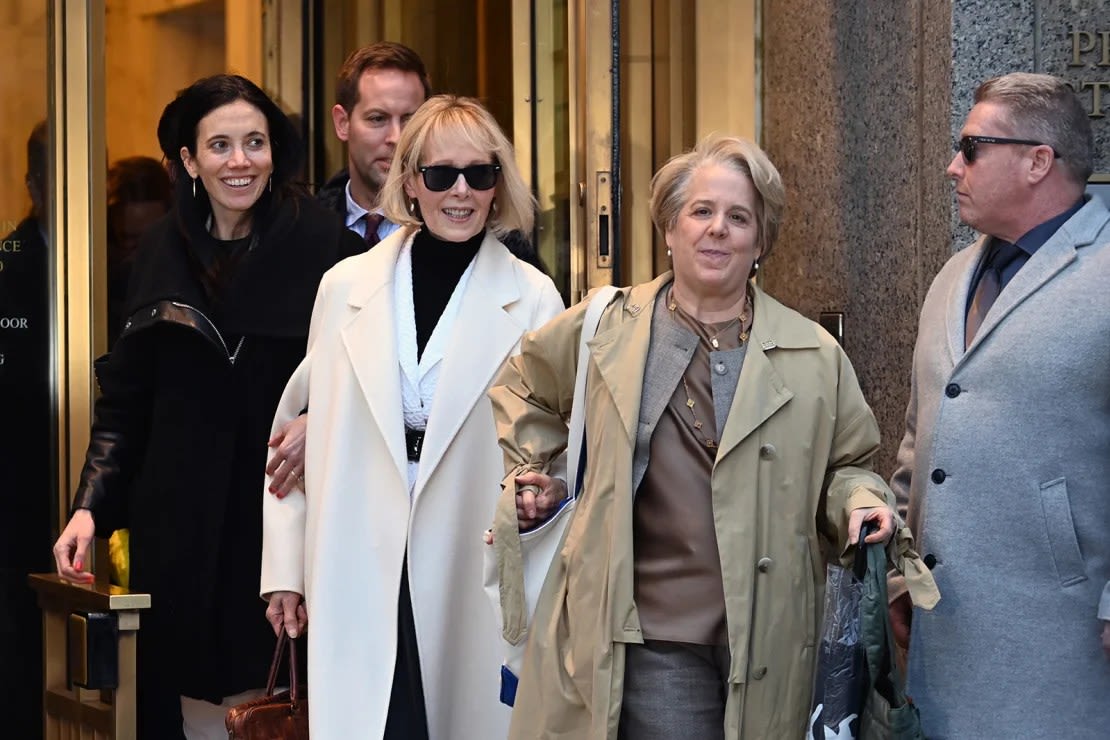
(218, 312)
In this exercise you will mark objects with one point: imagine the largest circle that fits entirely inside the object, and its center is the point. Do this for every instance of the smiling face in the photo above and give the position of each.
(714, 240)
(387, 98)
(233, 160)
(460, 212)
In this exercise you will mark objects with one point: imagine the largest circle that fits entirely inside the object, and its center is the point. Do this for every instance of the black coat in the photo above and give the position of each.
(178, 446)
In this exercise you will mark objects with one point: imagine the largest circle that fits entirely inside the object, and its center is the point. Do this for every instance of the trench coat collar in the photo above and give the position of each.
(372, 333)
(761, 390)
(620, 351)
(1056, 254)
(486, 332)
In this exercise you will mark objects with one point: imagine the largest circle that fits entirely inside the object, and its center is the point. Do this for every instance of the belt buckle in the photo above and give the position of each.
(414, 443)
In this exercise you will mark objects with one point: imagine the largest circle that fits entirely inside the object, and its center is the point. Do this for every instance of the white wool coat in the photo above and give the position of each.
(343, 542)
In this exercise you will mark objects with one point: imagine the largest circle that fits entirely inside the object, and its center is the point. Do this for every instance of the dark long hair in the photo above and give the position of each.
(177, 128)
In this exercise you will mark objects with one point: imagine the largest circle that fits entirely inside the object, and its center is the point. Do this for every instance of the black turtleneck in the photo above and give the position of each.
(436, 268)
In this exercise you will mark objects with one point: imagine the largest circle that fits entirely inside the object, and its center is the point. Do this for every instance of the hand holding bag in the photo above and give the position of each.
(858, 692)
(273, 717)
(887, 713)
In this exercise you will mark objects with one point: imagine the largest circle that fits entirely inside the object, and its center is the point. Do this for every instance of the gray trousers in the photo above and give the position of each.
(674, 690)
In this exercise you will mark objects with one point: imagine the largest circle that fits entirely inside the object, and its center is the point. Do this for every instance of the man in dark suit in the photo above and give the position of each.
(377, 90)
(1005, 463)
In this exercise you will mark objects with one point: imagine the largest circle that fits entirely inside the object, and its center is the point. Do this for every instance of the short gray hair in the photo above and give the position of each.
(670, 185)
(1044, 108)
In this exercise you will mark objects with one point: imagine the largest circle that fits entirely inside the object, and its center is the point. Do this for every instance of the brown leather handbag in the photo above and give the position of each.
(282, 716)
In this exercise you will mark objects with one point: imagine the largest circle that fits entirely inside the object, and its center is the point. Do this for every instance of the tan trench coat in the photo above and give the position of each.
(794, 461)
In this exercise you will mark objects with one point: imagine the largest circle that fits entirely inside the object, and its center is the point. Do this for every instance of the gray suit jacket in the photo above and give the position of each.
(1005, 470)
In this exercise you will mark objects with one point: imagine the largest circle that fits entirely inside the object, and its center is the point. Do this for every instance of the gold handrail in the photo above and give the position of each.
(71, 711)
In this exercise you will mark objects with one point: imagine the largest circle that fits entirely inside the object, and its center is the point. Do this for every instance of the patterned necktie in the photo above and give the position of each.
(372, 221)
(990, 285)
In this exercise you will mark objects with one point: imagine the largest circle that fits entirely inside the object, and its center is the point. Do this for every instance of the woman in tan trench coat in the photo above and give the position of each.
(728, 449)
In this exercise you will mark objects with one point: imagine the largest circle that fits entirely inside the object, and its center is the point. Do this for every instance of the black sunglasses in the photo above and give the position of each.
(440, 177)
(967, 145)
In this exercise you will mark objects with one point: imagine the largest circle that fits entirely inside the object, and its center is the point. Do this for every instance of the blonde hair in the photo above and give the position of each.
(452, 115)
(670, 184)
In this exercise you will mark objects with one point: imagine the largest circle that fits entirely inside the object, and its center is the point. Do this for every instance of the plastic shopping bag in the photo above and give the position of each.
(840, 683)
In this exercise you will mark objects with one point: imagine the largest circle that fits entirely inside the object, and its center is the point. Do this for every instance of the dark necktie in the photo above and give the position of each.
(372, 221)
(990, 285)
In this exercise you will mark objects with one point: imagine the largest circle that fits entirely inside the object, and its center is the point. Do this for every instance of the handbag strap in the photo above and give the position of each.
(576, 432)
(506, 532)
(284, 641)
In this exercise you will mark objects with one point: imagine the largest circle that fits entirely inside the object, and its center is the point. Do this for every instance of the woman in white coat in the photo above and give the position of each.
(402, 466)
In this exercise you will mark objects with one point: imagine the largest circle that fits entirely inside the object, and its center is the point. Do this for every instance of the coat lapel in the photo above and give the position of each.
(1055, 255)
(620, 353)
(485, 333)
(761, 390)
(371, 334)
(955, 320)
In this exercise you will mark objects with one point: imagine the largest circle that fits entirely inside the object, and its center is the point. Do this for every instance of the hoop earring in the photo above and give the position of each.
(493, 206)
(270, 184)
(412, 207)
(755, 269)
(194, 187)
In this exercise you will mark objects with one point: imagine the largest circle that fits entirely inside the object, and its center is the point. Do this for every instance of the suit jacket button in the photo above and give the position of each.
(764, 564)
(952, 390)
(767, 451)
(938, 476)
(759, 672)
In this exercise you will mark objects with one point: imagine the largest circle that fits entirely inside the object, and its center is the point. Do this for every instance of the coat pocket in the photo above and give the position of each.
(1061, 532)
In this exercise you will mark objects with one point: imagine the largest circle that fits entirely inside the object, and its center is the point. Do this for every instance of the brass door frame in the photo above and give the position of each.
(77, 123)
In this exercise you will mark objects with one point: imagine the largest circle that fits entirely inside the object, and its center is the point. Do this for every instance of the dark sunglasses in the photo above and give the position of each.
(440, 177)
(967, 145)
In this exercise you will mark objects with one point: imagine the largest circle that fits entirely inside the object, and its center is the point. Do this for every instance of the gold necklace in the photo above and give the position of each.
(690, 403)
(672, 305)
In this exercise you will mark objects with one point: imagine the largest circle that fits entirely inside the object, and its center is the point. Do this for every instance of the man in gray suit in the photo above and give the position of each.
(1005, 464)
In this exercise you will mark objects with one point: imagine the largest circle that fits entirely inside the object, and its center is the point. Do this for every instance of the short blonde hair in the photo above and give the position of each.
(444, 115)
(670, 185)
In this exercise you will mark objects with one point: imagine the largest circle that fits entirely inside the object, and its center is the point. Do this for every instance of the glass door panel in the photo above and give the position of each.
(27, 449)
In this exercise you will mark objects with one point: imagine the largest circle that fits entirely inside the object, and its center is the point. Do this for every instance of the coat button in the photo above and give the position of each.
(930, 561)
(720, 368)
(938, 476)
(767, 451)
(952, 390)
(759, 672)
(764, 564)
